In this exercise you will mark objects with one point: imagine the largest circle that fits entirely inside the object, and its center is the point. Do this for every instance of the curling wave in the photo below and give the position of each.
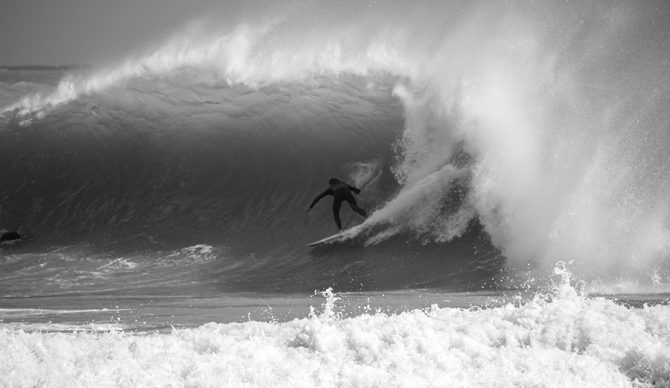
(532, 122)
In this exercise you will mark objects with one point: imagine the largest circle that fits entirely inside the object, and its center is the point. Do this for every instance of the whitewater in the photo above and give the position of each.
(555, 340)
(513, 158)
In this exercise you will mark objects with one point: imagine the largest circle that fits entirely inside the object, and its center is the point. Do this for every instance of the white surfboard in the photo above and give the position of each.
(344, 235)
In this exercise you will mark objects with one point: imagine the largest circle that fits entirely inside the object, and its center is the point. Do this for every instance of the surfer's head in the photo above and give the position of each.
(333, 181)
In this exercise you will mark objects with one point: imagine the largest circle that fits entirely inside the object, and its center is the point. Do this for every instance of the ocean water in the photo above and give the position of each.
(513, 158)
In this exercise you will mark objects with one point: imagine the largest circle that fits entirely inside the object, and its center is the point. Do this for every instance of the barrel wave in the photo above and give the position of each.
(530, 145)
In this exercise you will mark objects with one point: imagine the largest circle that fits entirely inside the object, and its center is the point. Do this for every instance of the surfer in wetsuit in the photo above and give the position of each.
(9, 237)
(342, 192)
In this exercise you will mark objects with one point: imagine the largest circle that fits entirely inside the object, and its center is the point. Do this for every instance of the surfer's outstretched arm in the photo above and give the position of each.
(354, 189)
(318, 198)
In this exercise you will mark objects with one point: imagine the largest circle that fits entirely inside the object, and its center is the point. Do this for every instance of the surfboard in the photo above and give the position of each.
(328, 240)
(343, 235)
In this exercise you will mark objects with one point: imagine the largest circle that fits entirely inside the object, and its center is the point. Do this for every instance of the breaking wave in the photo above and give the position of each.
(541, 126)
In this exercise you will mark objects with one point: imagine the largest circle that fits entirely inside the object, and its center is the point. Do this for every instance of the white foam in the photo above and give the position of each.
(561, 339)
(196, 254)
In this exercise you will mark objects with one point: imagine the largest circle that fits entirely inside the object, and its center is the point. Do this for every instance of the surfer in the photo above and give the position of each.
(9, 237)
(342, 192)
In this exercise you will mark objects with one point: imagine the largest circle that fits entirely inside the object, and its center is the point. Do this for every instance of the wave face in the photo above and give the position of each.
(139, 178)
(477, 131)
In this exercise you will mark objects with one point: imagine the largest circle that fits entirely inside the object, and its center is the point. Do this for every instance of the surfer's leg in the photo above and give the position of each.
(336, 213)
(354, 206)
(362, 212)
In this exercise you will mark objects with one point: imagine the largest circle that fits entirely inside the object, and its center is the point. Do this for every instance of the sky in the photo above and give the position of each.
(90, 32)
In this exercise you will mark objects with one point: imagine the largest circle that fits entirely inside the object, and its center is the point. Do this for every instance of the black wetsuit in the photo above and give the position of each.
(342, 192)
(10, 237)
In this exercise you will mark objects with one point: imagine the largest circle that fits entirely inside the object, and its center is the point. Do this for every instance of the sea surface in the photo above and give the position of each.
(513, 158)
